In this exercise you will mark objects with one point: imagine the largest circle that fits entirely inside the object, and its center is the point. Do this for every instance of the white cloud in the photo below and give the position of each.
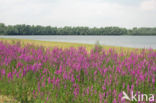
(148, 5)
(74, 13)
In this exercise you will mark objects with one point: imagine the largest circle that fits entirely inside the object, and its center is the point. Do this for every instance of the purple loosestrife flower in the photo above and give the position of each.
(2, 72)
(43, 83)
(95, 91)
(17, 74)
(10, 75)
(38, 85)
(128, 88)
(153, 80)
(118, 69)
(60, 70)
(45, 70)
(36, 67)
(114, 93)
(53, 80)
(15, 71)
(132, 87)
(105, 101)
(72, 78)
(33, 68)
(56, 72)
(100, 97)
(87, 91)
(65, 77)
(76, 91)
(95, 72)
(49, 80)
(120, 95)
(105, 70)
(28, 58)
(63, 69)
(104, 87)
(24, 72)
(91, 90)
(137, 82)
(42, 77)
(114, 101)
(57, 81)
(123, 85)
(47, 98)
(19, 65)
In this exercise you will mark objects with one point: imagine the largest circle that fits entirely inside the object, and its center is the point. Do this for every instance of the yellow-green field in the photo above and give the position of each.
(51, 44)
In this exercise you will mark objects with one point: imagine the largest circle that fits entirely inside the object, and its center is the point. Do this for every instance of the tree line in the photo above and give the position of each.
(23, 29)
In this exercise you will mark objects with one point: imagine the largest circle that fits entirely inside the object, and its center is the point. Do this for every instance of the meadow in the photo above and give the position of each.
(53, 72)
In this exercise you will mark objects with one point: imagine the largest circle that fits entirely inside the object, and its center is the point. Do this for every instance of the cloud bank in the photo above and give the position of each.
(91, 13)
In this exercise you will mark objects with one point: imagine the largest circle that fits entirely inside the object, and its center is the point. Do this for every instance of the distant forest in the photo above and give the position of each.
(23, 29)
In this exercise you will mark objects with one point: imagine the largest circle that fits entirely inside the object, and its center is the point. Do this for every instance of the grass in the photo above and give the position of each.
(51, 44)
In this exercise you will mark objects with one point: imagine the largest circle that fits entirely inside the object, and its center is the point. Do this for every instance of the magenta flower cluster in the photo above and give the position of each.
(74, 75)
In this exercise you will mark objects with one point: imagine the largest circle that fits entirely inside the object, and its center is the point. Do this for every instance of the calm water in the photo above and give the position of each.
(123, 41)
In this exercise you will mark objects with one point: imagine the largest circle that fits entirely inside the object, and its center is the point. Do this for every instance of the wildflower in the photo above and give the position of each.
(49, 80)
(100, 97)
(2, 71)
(76, 91)
(10, 75)
(153, 80)
(65, 75)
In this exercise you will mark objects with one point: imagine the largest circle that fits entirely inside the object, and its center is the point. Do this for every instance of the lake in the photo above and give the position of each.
(123, 41)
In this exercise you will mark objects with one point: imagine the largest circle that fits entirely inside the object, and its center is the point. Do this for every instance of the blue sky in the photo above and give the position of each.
(99, 13)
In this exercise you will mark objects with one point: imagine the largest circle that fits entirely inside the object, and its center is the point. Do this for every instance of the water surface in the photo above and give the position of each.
(123, 41)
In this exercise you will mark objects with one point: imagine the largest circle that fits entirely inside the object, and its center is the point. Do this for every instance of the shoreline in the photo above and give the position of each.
(61, 44)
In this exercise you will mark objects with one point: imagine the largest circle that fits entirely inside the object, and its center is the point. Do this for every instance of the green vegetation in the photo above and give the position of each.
(23, 29)
(32, 74)
(63, 45)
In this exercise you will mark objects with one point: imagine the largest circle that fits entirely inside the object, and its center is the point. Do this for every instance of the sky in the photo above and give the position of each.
(92, 13)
